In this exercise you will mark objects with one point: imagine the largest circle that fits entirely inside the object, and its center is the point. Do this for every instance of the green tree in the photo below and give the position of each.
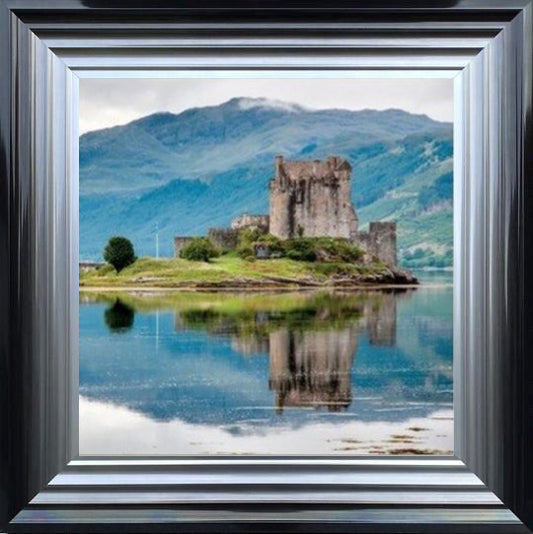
(119, 253)
(199, 249)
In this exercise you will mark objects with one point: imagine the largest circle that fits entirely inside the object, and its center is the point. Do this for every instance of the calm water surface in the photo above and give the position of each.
(306, 373)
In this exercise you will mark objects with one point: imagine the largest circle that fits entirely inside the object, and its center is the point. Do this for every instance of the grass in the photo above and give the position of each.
(229, 269)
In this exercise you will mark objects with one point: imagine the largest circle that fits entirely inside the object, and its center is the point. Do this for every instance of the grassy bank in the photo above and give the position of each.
(231, 271)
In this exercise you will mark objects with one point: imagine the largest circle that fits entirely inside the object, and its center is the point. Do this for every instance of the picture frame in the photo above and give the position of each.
(486, 487)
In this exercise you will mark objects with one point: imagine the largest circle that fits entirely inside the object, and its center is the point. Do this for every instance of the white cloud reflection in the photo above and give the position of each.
(107, 429)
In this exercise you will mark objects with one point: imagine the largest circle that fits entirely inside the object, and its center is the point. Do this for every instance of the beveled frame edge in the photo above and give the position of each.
(40, 231)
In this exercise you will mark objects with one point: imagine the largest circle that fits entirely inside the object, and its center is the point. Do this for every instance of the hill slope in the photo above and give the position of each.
(185, 173)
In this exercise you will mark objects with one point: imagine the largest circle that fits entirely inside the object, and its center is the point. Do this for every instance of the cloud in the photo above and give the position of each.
(106, 102)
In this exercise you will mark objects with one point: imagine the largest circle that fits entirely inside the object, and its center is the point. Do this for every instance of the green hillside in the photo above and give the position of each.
(182, 174)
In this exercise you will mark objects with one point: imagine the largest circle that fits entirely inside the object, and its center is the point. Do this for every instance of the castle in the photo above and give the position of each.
(310, 199)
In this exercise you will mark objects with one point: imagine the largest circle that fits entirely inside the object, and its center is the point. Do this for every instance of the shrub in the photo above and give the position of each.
(275, 244)
(245, 251)
(300, 249)
(337, 249)
(199, 249)
(310, 249)
(324, 249)
(248, 236)
(119, 253)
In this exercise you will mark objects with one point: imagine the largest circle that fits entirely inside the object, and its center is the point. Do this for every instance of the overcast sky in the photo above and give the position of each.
(109, 102)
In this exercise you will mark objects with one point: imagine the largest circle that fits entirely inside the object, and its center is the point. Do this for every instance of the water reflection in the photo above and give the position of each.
(119, 317)
(311, 345)
(226, 358)
(271, 364)
(312, 368)
(380, 317)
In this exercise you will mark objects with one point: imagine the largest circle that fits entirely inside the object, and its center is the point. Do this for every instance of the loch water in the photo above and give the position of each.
(265, 373)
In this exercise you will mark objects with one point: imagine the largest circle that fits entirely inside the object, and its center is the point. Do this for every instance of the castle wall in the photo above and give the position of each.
(261, 222)
(280, 201)
(383, 235)
(362, 239)
(225, 238)
(380, 241)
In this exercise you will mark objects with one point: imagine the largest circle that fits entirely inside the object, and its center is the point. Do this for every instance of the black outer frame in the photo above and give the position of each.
(41, 46)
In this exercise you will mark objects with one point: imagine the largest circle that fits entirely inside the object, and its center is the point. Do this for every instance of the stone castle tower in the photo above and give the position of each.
(312, 198)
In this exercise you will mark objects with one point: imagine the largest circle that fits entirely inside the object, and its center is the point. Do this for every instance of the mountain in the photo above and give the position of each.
(184, 173)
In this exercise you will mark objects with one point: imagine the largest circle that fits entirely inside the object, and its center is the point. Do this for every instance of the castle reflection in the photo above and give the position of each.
(312, 368)
(311, 344)
(380, 316)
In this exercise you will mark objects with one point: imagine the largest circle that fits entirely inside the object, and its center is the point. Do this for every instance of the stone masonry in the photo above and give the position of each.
(260, 222)
(380, 241)
(226, 239)
(312, 199)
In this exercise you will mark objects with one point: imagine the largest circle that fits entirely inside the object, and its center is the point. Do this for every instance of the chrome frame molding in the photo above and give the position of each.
(45, 47)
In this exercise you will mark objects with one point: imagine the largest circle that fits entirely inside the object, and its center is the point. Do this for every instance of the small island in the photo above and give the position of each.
(309, 239)
(229, 272)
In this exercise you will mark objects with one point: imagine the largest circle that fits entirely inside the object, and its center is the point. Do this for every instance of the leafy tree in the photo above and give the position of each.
(199, 249)
(119, 253)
